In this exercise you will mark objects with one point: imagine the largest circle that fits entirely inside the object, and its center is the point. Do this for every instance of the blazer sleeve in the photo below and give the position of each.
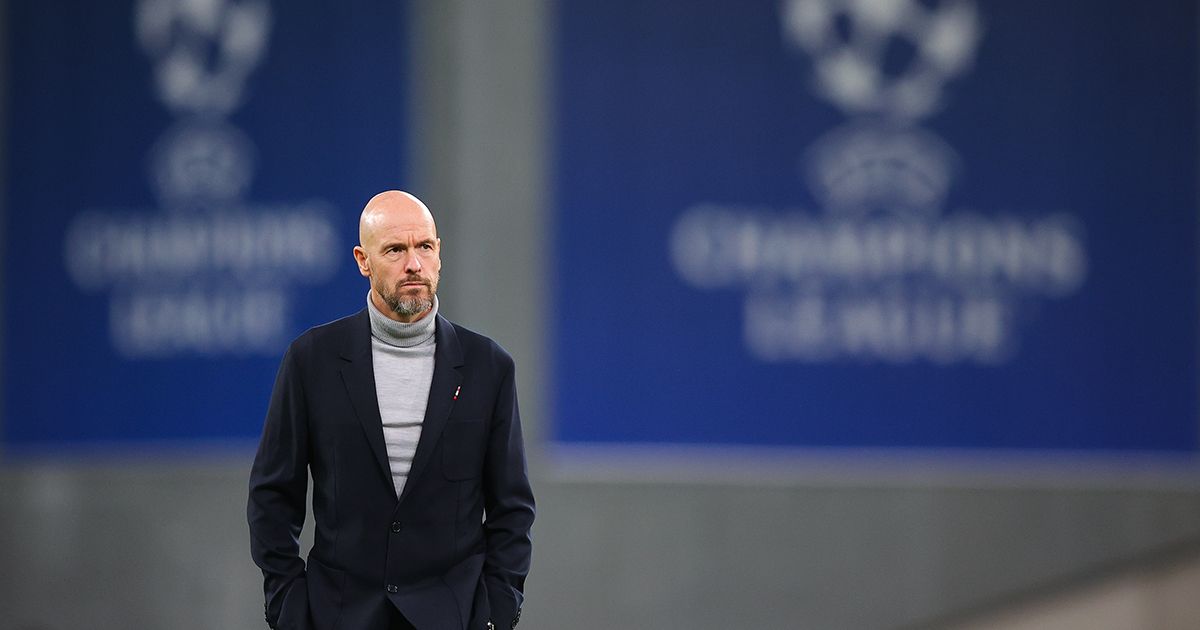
(278, 490)
(508, 505)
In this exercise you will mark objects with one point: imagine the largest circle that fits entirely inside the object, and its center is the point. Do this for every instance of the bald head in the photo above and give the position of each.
(399, 251)
(392, 207)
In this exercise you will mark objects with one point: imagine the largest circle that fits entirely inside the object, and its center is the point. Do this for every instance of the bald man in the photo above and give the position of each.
(408, 426)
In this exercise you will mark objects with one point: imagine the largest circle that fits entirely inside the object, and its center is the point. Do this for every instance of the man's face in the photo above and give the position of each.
(401, 254)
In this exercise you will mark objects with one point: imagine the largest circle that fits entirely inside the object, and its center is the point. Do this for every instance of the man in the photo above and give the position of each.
(408, 424)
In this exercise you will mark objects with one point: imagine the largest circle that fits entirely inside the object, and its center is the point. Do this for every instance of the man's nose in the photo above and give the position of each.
(412, 262)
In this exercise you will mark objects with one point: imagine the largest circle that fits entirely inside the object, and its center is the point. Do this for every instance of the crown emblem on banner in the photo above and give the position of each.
(864, 168)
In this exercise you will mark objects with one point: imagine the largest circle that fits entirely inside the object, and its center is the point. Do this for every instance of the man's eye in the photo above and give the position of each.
(426, 246)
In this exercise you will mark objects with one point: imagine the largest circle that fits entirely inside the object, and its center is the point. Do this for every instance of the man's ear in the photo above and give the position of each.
(360, 257)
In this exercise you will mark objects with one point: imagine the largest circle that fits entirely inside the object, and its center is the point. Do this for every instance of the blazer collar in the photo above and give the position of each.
(447, 377)
(358, 376)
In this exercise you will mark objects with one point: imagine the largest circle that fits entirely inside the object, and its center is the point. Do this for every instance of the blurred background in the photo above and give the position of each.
(828, 313)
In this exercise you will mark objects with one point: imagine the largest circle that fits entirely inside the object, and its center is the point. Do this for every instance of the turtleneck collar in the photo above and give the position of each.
(400, 334)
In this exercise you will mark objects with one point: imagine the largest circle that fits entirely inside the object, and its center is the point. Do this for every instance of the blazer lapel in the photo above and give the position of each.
(358, 375)
(447, 359)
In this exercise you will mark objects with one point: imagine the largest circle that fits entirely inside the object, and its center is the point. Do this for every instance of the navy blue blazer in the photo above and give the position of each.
(452, 551)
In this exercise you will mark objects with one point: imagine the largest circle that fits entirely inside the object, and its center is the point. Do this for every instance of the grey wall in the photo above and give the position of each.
(106, 543)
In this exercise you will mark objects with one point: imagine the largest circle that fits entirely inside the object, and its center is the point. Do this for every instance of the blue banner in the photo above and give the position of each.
(911, 224)
(182, 189)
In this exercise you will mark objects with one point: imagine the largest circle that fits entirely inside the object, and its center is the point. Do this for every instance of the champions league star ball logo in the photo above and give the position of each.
(880, 275)
(884, 63)
(204, 51)
(850, 41)
(209, 273)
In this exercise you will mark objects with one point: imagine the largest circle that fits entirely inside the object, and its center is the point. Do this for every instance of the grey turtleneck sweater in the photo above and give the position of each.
(403, 359)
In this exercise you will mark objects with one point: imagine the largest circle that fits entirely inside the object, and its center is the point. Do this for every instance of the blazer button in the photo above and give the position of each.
(392, 588)
(396, 527)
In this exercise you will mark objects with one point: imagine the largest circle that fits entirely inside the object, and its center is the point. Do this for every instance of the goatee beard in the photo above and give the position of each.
(408, 306)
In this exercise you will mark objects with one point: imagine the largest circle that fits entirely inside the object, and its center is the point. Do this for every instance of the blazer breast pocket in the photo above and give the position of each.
(463, 445)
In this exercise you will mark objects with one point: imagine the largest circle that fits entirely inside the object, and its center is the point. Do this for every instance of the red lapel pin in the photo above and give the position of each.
(456, 390)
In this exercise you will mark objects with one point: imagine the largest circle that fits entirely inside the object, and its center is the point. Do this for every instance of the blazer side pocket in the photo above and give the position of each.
(293, 613)
(325, 585)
